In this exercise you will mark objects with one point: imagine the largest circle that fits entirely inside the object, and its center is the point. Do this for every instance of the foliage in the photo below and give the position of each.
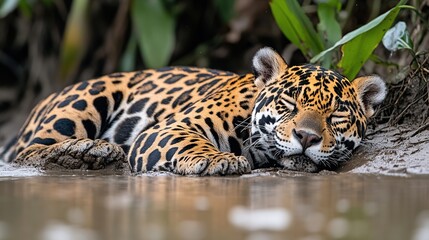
(74, 43)
(356, 47)
(152, 35)
(296, 26)
(156, 41)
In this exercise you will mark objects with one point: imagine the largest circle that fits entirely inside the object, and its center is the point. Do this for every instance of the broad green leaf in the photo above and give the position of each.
(357, 51)
(351, 35)
(75, 42)
(296, 26)
(7, 6)
(358, 45)
(154, 29)
(328, 27)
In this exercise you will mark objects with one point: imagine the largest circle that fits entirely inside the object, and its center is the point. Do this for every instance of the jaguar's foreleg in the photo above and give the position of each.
(182, 150)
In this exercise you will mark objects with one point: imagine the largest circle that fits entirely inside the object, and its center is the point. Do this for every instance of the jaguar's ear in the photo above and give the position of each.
(371, 91)
(267, 65)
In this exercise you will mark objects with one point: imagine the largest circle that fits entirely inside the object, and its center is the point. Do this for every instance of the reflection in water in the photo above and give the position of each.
(343, 206)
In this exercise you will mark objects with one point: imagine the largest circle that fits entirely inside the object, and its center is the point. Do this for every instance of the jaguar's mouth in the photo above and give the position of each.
(300, 163)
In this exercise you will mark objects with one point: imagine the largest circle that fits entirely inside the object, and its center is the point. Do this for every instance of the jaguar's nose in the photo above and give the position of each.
(306, 139)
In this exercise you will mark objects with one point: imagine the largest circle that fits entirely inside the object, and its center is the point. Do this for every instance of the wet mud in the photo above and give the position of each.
(399, 150)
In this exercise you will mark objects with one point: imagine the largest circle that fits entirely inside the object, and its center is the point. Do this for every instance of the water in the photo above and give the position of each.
(273, 205)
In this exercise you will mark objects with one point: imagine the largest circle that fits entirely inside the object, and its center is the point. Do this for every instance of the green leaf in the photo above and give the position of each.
(154, 29)
(328, 27)
(296, 26)
(74, 44)
(357, 51)
(358, 45)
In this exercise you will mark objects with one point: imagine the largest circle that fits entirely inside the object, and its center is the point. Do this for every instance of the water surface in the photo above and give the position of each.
(273, 205)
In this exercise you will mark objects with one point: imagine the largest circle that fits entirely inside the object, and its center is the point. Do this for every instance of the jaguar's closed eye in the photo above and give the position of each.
(291, 105)
(337, 118)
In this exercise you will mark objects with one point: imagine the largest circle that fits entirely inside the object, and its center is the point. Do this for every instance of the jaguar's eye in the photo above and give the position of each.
(289, 103)
(339, 118)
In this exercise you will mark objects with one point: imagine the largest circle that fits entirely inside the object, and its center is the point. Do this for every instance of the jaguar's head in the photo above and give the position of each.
(308, 114)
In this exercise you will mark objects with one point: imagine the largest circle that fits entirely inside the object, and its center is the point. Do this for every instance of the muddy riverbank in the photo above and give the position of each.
(402, 149)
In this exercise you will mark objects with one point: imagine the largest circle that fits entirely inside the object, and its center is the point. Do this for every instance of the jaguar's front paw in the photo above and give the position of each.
(72, 154)
(216, 164)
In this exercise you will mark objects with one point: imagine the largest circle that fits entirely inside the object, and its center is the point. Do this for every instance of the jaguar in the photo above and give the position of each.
(199, 121)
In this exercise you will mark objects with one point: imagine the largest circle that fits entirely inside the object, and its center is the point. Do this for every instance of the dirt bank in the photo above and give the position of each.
(401, 149)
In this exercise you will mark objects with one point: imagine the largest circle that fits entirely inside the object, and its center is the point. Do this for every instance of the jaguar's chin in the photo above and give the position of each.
(300, 163)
